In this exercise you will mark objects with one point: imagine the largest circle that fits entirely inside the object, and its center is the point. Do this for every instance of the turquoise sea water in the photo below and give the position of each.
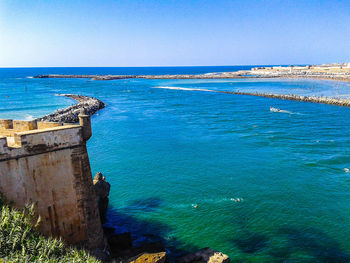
(166, 150)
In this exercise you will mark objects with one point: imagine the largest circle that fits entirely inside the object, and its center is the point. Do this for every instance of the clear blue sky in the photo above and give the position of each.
(173, 33)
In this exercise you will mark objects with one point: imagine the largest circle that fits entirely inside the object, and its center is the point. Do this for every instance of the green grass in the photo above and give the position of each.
(21, 242)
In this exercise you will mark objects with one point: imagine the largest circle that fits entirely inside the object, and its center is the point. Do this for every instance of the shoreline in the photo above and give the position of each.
(227, 75)
(336, 72)
(332, 72)
(333, 78)
(70, 114)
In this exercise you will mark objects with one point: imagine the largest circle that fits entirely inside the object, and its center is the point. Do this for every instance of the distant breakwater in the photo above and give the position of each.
(314, 99)
(265, 73)
(88, 105)
(220, 75)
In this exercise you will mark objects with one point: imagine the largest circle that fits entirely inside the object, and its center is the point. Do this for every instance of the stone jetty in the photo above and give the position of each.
(70, 114)
(314, 99)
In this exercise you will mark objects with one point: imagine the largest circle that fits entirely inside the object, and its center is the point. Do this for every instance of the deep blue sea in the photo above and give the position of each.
(269, 186)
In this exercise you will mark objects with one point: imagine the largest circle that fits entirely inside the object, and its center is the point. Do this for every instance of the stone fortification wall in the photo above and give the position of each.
(47, 164)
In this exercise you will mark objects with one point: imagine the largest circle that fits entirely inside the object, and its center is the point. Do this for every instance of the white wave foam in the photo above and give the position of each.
(272, 109)
(28, 117)
(179, 88)
(284, 111)
(205, 202)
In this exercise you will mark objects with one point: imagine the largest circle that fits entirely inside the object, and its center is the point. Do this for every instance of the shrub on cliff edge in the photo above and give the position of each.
(20, 242)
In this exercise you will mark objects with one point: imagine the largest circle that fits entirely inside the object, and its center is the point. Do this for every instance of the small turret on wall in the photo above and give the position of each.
(85, 122)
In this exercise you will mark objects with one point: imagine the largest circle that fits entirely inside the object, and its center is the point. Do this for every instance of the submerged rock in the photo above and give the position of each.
(204, 255)
(120, 242)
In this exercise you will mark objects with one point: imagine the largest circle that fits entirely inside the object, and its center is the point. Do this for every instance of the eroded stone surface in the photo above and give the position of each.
(205, 255)
(149, 258)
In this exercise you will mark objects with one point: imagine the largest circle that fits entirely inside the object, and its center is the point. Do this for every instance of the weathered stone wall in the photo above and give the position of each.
(47, 164)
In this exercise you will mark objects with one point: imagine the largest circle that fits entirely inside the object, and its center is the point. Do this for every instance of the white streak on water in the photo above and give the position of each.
(178, 88)
(28, 117)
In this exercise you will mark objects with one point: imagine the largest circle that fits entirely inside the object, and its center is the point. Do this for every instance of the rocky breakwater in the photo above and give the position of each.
(93, 77)
(216, 75)
(314, 99)
(70, 114)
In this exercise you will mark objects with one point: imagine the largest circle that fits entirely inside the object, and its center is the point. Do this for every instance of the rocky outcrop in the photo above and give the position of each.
(102, 189)
(205, 255)
(120, 242)
(123, 250)
(149, 258)
(88, 105)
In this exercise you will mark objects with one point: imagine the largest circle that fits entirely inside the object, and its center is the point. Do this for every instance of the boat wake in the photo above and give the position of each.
(272, 109)
(206, 202)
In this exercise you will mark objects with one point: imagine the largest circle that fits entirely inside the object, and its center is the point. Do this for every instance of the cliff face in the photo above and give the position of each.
(47, 164)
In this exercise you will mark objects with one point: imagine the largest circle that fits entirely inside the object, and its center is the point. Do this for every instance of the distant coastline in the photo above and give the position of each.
(337, 71)
(334, 72)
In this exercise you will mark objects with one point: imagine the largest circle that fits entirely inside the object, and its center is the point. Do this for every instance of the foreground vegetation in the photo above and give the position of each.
(20, 242)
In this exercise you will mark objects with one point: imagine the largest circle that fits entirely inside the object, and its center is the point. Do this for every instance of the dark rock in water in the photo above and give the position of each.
(120, 242)
(102, 188)
(70, 114)
(122, 249)
(108, 231)
(204, 255)
(150, 247)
